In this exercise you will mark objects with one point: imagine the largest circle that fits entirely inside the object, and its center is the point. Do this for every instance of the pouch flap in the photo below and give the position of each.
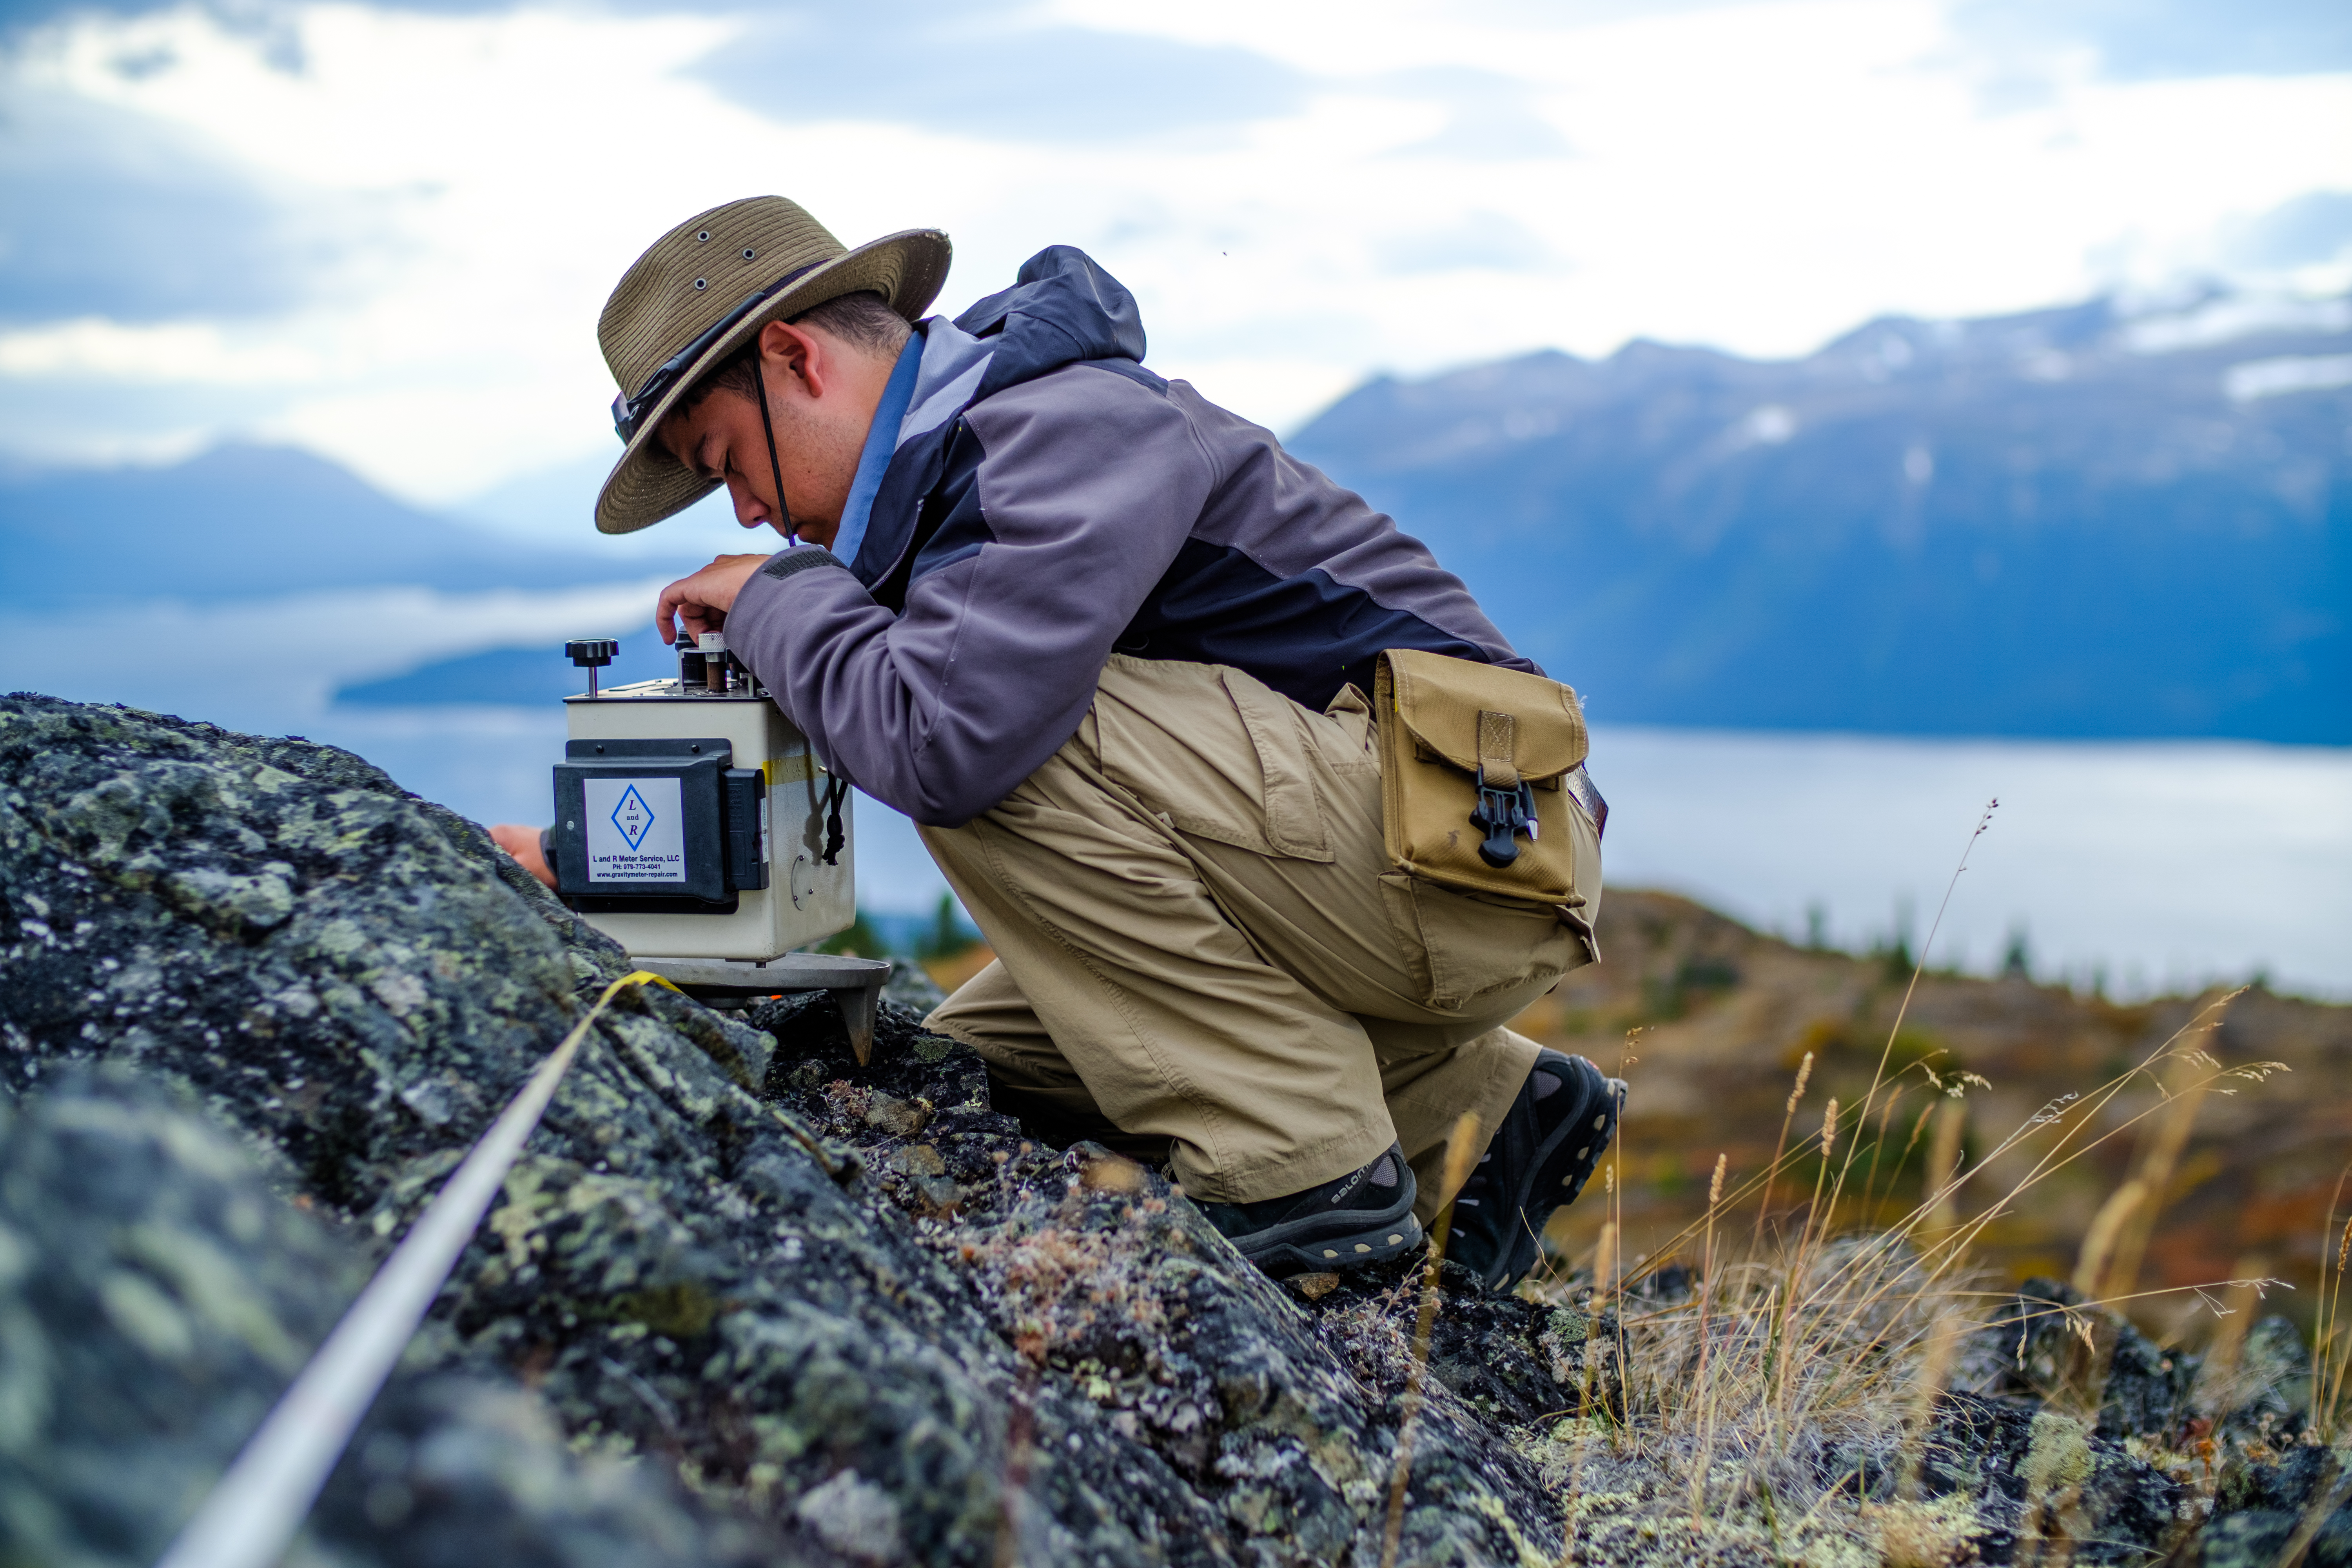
(1464, 711)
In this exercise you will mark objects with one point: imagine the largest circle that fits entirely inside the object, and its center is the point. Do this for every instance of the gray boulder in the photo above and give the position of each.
(809, 1313)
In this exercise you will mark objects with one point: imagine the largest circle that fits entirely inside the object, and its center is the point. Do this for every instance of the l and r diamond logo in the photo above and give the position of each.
(633, 817)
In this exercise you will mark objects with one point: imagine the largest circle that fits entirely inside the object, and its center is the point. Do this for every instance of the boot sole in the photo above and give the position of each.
(1292, 1248)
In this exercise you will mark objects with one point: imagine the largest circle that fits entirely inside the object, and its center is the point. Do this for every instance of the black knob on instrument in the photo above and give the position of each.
(591, 654)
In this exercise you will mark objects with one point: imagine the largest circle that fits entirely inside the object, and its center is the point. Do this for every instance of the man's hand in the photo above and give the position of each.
(522, 843)
(703, 600)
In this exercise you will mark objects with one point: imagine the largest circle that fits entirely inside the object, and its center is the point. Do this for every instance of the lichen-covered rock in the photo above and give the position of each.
(855, 1313)
(2040, 1477)
(1113, 1291)
(2043, 1345)
(155, 1298)
(1514, 1362)
(2094, 1432)
(2268, 1500)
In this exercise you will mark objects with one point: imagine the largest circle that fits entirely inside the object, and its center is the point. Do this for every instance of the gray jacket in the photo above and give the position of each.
(1049, 501)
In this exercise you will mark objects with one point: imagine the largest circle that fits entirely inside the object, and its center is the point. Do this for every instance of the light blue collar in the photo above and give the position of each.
(881, 441)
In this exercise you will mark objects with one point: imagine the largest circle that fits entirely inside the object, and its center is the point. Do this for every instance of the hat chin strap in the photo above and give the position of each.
(775, 468)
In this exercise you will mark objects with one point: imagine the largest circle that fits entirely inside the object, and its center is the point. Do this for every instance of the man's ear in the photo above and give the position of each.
(790, 354)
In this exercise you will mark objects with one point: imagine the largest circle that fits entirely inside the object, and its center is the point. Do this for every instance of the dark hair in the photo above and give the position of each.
(861, 319)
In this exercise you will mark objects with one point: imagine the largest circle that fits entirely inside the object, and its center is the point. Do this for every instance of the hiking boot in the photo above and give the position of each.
(1364, 1217)
(1550, 1144)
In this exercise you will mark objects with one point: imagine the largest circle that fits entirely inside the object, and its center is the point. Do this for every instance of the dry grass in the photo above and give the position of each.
(1461, 1151)
(1771, 1404)
(2331, 1350)
(1779, 1407)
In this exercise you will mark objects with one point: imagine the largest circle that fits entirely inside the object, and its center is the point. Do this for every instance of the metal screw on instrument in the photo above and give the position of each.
(591, 654)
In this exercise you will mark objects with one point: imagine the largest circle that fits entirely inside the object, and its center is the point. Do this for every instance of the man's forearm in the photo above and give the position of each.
(871, 689)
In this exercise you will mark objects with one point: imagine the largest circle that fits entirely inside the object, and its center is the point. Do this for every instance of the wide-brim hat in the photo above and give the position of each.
(703, 291)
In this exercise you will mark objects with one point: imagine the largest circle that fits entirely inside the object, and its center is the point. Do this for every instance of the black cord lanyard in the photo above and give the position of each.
(837, 789)
(775, 468)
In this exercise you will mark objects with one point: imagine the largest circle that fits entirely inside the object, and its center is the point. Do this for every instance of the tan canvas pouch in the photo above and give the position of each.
(1447, 724)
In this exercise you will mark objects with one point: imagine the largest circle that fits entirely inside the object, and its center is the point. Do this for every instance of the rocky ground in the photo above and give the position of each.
(744, 1301)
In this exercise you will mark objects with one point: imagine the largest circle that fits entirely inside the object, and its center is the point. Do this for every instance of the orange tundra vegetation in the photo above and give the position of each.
(1721, 1018)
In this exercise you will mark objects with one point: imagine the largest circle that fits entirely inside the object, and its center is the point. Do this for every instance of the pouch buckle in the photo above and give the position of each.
(1502, 814)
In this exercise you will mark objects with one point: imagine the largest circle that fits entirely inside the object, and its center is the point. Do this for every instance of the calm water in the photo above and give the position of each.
(2146, 865)
(2160, 865)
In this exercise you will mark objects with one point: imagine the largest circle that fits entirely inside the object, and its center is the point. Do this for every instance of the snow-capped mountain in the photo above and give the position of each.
(2080, 522)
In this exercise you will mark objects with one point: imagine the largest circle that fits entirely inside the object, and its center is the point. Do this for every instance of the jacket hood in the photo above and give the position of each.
(1061, 311)
(1061, 308)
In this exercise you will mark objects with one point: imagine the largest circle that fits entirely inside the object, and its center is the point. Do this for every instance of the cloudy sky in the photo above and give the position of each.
(384, 232)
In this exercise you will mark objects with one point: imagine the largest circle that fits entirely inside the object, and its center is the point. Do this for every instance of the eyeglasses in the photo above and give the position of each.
(629, 412)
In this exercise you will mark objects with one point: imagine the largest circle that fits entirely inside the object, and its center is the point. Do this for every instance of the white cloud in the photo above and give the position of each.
(2220, 320)
(93, 347)
(1760, 177)
(2290, 373)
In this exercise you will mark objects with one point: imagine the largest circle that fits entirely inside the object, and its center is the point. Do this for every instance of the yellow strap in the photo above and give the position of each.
(634, 977)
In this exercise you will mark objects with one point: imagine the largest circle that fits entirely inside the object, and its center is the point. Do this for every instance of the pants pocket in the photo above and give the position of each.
(1214, 751)
(1465, 951)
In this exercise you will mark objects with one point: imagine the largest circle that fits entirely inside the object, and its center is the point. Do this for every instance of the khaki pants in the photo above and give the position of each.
(1199, 942)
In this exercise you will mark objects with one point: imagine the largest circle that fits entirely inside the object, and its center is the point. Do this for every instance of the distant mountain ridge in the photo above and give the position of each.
(2069, 522)
(249, 522)
(512, 676)
(2065, 522)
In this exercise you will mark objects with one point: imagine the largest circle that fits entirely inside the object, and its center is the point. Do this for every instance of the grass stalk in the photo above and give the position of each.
(1772, 1170)
(2090, 1266)
(1944, 1338)
(1942, 1164)
(1020, 1454)
(1460, 1152)
(1870, 1183)
(1704, 1459)
(1604, 1274)
(2157, 1164)
(1785, 1337)
(2331, 1349)
(1910, 990)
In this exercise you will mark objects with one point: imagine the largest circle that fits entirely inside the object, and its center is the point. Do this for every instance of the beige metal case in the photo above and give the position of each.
(805, 900)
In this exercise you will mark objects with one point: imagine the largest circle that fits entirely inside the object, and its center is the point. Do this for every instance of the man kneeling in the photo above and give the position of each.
(1110, 646)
